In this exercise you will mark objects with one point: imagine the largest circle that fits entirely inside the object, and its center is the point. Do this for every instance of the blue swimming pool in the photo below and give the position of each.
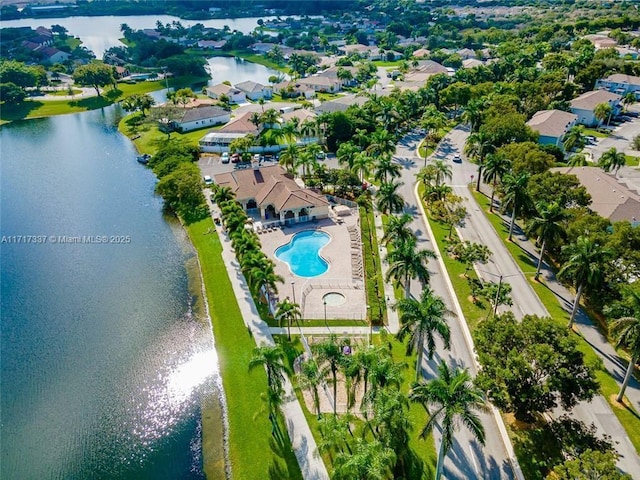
(302, 253)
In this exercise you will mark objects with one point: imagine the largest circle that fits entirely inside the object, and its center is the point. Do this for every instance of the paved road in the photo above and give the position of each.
(525, 301)
(467, 459)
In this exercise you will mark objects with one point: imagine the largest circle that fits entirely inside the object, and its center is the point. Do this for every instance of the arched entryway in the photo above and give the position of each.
(303, 216)
(289, 217)
(270, 213)
(252, 207)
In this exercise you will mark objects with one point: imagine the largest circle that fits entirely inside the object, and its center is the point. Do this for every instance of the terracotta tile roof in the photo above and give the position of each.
(270, 186)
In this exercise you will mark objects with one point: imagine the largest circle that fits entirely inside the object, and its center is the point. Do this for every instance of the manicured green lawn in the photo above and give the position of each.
(608, 386)
(632, 161)
(595, 133)
(374, 283)
(48, 108)
(384, 63)
(252, 454)
(62, 93)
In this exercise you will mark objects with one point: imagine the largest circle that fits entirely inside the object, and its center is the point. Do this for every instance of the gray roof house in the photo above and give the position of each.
(200, 117)
(584, 105)
(254, 90)
(552, 125)
(621, 84)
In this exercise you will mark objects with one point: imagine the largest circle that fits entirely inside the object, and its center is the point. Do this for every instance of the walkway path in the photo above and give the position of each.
(477, 228)
(302, 440)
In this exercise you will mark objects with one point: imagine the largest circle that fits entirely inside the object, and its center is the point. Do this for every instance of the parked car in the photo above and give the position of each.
(457, 158)
(320, 156)
(208, 180)
(235, 158)
(225, 157)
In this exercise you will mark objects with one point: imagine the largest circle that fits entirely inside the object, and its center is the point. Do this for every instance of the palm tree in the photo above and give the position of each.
(397, 230)
(329, 356)
(547, 226)
(628, 99)
(266, 277)
(346, 153)
(577, 160)
(289, 158)
(288, 312)
(603, 112)
(573, 138)
(256, 119)
(370, 460)
(515, 195)
(310, 378)
(406, 262)
(455, 398)
(386, 169)
(289, 131)
(381, 144)
(222, 194)
(612, 160)
(442, 171)
(388, 198)
(421, 321)
(362, 165)
(272, 359)
(495, 167)
(626, 331)
(583, 267)
(270, 118)
(307, 160)
(473, 114)
(478, 146)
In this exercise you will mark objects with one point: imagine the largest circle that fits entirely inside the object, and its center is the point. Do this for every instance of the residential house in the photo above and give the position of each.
(219, 140)
(430, 67)
(341, 104)
(421, 53)
(255, 91)
(621, 84)
(601, 41)
(44, 31)
(552, 125)
(121, 71)
(609, 198)
(363, 50)
(51, 55)
(321, 83)
(200, 117)
(234, 94)
(472, 63)
(332, 73)
(293, 89)
(466, 53)
(274, 195)
(42, 40)
(585, 105)
(211, 44)
(262, 48)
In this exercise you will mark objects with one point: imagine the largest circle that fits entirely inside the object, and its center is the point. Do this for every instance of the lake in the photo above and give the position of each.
(101, 33)
(105, 363)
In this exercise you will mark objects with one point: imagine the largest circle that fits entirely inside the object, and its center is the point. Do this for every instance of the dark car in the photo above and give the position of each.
(235, 158)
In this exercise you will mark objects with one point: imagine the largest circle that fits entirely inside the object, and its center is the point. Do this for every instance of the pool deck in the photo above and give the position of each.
(345, 274)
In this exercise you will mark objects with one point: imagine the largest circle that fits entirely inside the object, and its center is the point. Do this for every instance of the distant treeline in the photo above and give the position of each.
(187, 9)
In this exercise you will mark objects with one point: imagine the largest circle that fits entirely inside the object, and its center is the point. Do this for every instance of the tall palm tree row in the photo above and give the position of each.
(421, 320)
(583, 268)
(478, 146)
(288, 312)
(456, 400)
(515, 196)
(626, 331)
(406, 262)
(547, 225)
(388, 200)
(496, 166)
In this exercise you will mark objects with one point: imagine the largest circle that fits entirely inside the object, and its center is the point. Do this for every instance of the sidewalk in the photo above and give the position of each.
(302, 441)
(392, 316)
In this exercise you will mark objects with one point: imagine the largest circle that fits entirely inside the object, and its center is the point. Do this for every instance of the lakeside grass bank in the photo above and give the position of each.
(48, 108)
(250, 448)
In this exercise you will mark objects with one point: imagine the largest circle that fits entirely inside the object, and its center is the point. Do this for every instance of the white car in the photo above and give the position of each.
(225, 157)
(208, 180)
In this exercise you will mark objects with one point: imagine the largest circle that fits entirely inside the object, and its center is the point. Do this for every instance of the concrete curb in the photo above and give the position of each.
(469, 340)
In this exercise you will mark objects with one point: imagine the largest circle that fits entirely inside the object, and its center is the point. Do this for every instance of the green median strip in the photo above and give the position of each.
(250, 446)
(609, 388)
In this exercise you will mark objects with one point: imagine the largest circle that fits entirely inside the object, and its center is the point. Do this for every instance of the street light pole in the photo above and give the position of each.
(324, 302)
(495, 307)
(293, 290)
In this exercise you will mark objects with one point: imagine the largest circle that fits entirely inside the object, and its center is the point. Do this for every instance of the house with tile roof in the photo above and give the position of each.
(274, 195)
(239, 127)
(621, 84)
(472, 63)
(609, 198)
(585, 105)
(201, 117)
(552, 125)
(254, 90)
(421, 53)
(294, 89)
(234, 94)
(321, 83)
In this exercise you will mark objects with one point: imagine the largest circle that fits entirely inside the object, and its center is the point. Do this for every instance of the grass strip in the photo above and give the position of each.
(374, 284)
(609, 388)
(251, 451)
